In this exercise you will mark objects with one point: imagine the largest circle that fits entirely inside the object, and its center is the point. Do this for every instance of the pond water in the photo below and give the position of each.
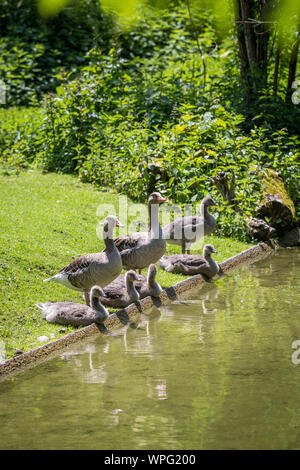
(211, 372)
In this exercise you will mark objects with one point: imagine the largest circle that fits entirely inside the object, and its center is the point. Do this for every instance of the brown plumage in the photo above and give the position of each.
(187, 230)
(94, 268)
(142, 287)
(148, 285)
(121, 292)
(72, 313)
(140, 249)
(191, 264)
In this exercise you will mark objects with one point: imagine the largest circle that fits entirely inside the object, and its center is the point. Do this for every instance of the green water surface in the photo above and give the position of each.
(212, 372)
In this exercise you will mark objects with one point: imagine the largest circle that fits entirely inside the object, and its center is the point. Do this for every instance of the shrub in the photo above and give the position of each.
(19, 136)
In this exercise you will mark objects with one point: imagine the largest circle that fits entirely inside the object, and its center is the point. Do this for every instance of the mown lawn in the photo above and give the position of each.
(47, 220)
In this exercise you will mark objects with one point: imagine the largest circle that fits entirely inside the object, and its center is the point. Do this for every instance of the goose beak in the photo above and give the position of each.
(118, 224)
(161, 199)
(215, 251)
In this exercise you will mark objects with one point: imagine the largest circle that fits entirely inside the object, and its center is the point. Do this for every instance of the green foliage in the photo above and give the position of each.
(158, 110)
(34, 49)
(19, 136)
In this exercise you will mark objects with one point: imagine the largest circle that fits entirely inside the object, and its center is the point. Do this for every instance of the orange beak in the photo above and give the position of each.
(118, 224)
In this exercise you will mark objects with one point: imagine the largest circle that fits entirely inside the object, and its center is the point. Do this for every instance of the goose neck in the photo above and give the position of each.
(97, 305)
(107, 236)
(203, 210)
(131, 290)
(151, 279)
(154, 226)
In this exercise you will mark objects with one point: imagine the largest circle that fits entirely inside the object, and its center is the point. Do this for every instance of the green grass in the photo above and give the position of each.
(46, 221)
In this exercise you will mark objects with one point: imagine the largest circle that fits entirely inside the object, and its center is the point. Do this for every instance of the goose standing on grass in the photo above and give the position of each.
(94, 268)
(71, 313)
(187, 230)
(192, 264)
(140, 249)
(148, 285)
(121, 292)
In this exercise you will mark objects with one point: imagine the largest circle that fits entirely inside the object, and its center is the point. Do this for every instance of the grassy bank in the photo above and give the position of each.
(46, 221)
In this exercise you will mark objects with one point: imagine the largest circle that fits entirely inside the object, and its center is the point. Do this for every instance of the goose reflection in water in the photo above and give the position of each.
(84, 357)
(206, 297)
(157, 388)
(142, 343)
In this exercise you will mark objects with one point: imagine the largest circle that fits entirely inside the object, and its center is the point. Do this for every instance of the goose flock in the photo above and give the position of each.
(98, 275)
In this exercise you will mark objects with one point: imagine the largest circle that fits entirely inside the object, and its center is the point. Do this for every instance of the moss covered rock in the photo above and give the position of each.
(276, 206)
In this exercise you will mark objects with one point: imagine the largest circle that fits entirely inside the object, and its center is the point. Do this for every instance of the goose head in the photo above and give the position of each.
(95, 294)
(156, 198)
(208, 201)
(208, 250)
(130, 277)
(109, 224)
(152, 270)
(154, 287)
(112, 221)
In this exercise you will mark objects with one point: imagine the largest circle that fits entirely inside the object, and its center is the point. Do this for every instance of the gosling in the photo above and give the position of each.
(72, 313)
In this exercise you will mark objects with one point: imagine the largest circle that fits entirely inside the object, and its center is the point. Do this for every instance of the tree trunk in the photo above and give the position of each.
(263, 35)
(250, 39)
(293, 67)
(276, 70)
(227, 191)
(277, 212)
(259, 229)
(253, 40)
(244, 63)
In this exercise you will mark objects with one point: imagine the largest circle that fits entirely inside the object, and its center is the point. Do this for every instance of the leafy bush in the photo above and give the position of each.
(124, 142)
(19, 136)
(158, 110)
(33, 49)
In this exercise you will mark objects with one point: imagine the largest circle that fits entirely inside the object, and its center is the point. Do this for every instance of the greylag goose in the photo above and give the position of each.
(121, 292)
(71, 313)
(192, 264)
(140, 249)
(187, 230)
(143, 286)
(148, 285)
(94, 268)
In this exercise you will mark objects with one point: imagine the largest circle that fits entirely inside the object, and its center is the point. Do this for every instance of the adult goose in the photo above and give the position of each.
(121, 292)
(187, 230)
(192, 264)
(71, 313)
(94, 268)
(148, 285)
(140, 249)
